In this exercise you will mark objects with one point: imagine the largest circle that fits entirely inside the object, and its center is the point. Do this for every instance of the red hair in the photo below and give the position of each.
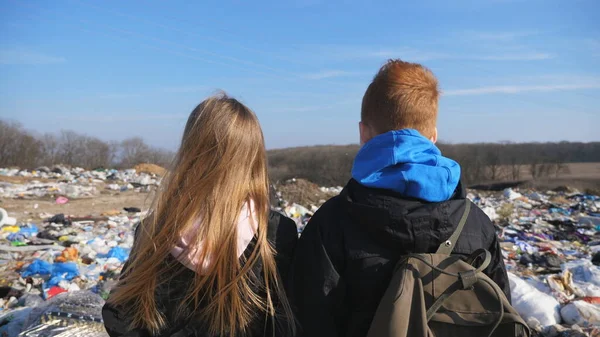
(402, 95)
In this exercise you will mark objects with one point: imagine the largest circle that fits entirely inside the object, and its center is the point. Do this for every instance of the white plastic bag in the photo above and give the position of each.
(490, 212)
(511, 195)
(589, 290)
(581, 313)
(532, 304)
(583, 271)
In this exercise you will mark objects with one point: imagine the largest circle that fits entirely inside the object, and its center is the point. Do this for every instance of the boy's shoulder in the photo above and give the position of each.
(327, 221)
(329, 213)
(478, 222)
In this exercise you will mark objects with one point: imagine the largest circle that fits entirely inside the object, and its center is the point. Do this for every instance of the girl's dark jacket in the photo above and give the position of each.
(282, 234)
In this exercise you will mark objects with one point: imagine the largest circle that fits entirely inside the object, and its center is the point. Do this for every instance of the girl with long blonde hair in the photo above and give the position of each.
(210, 258)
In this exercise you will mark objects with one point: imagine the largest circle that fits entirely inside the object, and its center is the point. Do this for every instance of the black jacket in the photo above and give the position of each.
(346, 254)
(283, 235)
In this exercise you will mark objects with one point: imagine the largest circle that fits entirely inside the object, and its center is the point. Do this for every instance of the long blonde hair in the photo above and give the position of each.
(220, 166)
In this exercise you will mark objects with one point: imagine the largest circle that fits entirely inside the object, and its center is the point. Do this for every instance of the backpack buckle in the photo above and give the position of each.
(468, 279)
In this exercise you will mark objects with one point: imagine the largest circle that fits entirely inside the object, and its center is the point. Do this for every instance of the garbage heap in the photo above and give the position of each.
(551, 247)
(55, 273)
(299, 199)
(56, 269)
(74, 182)
(59, 260)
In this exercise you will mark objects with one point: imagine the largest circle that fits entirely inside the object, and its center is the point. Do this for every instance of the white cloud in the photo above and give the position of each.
(517, 89)
(19, 57)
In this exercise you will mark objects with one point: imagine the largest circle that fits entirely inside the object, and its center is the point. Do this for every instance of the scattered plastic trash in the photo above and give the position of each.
(69, 254)
(584, 271)
(512, 195)
(75, 183)
(550, 242)
(536, 307)
(581, 313)
(62, 200)
(118, 253)
(55, 290)
(11, 322)
(77, 314)
(38, 267)
(11, 229)
(5, 219)
(300, 214)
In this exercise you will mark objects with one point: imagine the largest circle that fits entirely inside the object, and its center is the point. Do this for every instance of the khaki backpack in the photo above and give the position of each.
(439, 295)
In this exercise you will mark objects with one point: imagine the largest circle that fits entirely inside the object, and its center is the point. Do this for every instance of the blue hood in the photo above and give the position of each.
(408, 163)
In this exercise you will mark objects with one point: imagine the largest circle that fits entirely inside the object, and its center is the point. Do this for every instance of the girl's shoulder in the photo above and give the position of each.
(281, 230)
(283, 235)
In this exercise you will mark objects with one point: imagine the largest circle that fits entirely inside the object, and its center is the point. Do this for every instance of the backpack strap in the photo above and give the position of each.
(467, 279)
(448, 246)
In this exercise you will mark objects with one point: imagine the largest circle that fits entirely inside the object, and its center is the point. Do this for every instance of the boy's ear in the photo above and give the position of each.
(365, 133)
(434, 138)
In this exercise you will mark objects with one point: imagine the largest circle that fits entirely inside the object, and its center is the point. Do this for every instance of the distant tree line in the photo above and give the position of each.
(21, 148)
(480, 163)
(507, 161)
(323, 165)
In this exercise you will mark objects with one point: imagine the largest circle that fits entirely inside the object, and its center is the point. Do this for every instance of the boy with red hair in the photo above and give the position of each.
(404, 197)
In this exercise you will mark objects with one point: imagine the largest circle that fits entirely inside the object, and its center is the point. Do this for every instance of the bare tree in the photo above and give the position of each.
(98, 153)
(562, 168)
(18, 147)
(71, 147)
(160, 157)
(51, 149)
(134, 151)
(493, 161)
(10, 134)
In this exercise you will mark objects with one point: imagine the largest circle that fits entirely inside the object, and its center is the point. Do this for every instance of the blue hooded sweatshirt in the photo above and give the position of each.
(406, 162)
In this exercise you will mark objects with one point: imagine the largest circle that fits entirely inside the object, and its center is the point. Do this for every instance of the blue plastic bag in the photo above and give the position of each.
(118, 253)
(16, 237)
(53, 281)
(29, 230)
(38, 267)
(560, 211)
(68, 270)
(61, 271)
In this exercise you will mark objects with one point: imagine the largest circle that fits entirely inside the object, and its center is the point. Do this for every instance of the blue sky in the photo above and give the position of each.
(519, 70)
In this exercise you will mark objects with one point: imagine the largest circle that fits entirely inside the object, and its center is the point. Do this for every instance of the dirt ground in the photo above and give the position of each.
(581, 176)
(23, 209)
(573, 171)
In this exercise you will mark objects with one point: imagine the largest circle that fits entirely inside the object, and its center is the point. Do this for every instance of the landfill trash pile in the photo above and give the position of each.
(72, 183)
(57, 269)
(551, 247)
(299, 199)
(304, 192)
(53, 264)
(78, 256)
